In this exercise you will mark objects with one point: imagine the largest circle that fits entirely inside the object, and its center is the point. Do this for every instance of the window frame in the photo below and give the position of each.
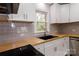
(42, 12)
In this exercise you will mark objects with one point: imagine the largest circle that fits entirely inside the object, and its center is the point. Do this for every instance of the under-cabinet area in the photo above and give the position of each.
(39, 29)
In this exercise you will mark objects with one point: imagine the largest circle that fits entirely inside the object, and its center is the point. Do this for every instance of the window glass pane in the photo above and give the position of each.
(43, 17)
(40, 17)
(40, 26)
(40, 22)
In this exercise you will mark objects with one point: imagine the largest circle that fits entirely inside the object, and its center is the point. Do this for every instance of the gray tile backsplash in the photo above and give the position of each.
(10, 32)
(69, 28)
(54, 28)
(65, 28)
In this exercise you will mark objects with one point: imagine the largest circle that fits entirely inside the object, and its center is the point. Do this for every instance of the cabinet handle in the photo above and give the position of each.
(38, 48)
(55, 49)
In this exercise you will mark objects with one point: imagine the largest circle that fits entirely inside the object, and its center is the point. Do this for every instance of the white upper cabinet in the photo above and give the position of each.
(30, 10)
(19, 15)
(74, 12)
(54, 13)
(59, 13)
(64, 13)
(58, 47)
(26, 12)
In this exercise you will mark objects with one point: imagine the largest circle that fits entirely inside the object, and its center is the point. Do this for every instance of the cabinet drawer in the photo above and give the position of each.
(50, 43)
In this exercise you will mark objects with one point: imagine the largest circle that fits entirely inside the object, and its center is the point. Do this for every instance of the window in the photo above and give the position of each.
(40, 22)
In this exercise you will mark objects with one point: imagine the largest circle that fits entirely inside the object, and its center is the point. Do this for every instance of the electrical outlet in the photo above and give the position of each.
(13, 25)
(21, 34)
(74, 30)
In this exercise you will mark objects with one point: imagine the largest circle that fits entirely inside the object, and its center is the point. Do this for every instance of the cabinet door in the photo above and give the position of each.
(40, 48)
(66, 44)
(61, 50)
(53, 14)
(64, 13)
(57, 47)
(30, 10)
(58, 19)
(63, 46)
(74, 12)
(50, 49)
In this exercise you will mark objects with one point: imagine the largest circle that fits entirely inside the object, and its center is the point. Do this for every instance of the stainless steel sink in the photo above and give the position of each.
(47, 37)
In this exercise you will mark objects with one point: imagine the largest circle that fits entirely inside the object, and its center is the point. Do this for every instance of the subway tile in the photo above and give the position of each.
(7, 33)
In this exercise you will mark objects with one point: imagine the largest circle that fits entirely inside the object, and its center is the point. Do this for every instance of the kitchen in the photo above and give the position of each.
(51, 29)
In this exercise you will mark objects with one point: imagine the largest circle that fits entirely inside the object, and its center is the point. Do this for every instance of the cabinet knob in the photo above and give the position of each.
(20, 48)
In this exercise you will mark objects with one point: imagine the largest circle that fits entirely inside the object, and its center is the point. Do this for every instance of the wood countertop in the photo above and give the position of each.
(33, 41)
(7, 46)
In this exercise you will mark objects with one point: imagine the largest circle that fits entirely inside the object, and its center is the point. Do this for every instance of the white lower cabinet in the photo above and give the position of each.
(55, 48)
(50, 48)
(40, 48)
(66, 45)
(58, 47)
(61, 48)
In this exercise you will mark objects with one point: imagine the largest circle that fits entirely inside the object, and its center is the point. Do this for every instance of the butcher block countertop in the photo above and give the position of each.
(33, 41)
(19, 43)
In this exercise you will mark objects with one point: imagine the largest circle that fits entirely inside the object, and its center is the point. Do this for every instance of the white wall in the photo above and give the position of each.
(42, 7)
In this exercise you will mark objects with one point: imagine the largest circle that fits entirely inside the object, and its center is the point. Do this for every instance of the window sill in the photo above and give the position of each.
(40, 32)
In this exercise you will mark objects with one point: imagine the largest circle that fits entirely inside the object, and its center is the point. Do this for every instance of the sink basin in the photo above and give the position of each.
(47, 37)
